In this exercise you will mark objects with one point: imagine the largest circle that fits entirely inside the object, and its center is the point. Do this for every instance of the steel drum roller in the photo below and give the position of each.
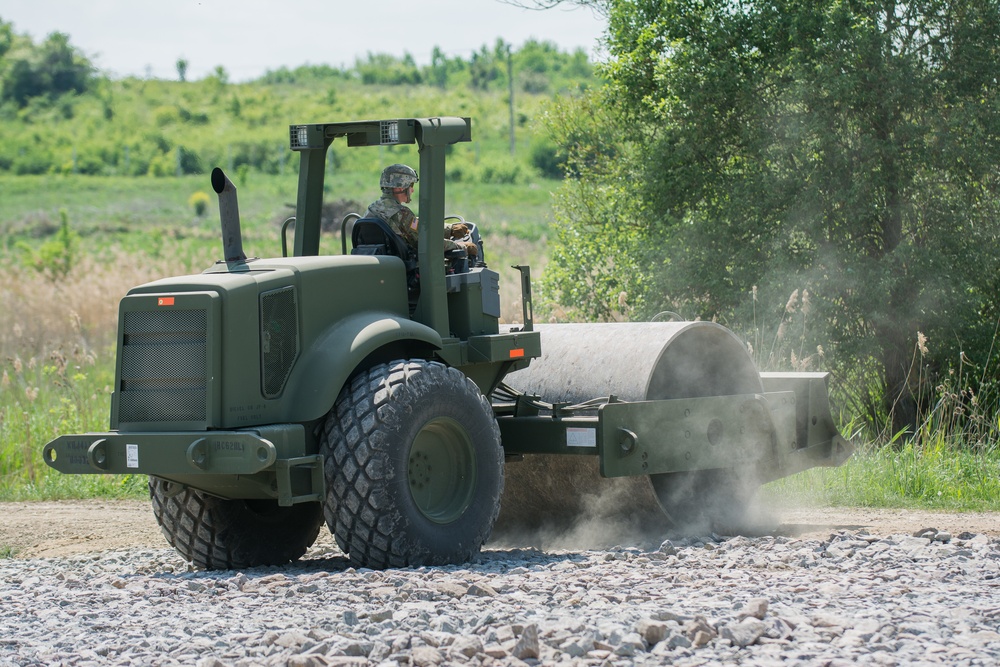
(634, 362)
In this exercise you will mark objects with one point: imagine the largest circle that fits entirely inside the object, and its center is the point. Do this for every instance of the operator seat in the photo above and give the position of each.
(372, 236)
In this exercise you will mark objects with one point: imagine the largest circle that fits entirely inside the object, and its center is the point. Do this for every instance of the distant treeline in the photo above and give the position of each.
(54, 67)
(59, 114)
(537, 67)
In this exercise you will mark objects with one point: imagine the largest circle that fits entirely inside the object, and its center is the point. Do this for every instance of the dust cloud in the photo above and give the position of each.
(554, 502)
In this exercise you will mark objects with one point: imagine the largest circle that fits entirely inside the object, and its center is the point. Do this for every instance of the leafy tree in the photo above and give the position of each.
(382, 68)
(219, 75)
(305, 74)
(540, 67)
(488, 67)
(442, 68)
(844, 150)
(182, 68)
(21, 81)
(6, 37)
(52, 68)
(596, 268)
(64, 69)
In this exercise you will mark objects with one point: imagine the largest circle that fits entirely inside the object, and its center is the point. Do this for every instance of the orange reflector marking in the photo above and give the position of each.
(517, 354)
(165, 301)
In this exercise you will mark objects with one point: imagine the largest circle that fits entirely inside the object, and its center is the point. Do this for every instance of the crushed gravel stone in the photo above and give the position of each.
(932, 598)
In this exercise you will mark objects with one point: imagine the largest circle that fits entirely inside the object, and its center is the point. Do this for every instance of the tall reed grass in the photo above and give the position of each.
(951, 460)
(57, 363)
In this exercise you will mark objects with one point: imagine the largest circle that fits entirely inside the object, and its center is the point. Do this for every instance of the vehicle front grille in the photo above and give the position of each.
(163, 366)
(279, 339)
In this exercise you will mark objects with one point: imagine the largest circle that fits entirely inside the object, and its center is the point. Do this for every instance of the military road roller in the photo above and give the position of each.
(375, 390)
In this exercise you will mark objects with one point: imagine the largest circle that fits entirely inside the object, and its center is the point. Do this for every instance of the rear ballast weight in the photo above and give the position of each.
(265, 397)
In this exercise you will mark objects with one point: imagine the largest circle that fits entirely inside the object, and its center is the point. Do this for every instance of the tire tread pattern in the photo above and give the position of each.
(357, 440)
(217, 534)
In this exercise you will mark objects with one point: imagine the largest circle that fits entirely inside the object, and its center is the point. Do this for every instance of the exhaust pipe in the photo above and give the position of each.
(229, 212)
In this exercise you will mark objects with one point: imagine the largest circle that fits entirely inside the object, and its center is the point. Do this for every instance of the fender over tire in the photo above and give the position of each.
(413, 465)
(217, 534)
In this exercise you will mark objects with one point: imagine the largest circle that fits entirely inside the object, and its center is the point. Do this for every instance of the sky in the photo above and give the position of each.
(249, 37)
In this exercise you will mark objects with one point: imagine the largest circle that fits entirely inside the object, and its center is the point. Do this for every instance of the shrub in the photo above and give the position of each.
(31, 163)
(199, 202)
(548, 159)
(56, 257)
(500, 170)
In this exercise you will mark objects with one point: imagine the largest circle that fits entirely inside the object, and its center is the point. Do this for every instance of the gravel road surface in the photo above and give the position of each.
(94, 584)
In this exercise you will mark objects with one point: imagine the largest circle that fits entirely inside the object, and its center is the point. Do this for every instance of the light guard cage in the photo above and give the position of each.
(362, 133)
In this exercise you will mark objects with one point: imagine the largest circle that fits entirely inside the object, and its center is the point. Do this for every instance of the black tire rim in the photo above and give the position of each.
(442, 470)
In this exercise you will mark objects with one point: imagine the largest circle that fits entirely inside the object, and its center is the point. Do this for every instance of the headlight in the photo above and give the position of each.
(389, 132)
(299, 136)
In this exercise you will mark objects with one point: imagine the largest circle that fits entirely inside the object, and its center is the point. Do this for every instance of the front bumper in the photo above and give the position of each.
(277, 454)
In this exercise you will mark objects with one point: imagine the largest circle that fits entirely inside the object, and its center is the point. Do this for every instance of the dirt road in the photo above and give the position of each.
(56, 529)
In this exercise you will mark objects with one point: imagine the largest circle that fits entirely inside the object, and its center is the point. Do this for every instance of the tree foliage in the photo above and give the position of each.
(385, 69)
(843, 150)
(596, 268)
(538, 66)
(51, 68)
(142, 126)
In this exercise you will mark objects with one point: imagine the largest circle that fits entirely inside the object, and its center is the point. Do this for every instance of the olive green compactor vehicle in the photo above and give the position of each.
(377, 392)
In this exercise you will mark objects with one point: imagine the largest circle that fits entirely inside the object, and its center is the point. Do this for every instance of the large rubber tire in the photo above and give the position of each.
(217, 534)
(413, 465)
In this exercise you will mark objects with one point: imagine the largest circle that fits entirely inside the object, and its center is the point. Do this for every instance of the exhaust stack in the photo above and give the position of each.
(229, 212)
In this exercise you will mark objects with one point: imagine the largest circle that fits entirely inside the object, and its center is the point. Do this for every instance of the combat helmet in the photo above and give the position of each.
(397, 176)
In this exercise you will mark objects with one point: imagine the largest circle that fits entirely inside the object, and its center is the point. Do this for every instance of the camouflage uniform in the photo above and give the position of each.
(397, 215)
